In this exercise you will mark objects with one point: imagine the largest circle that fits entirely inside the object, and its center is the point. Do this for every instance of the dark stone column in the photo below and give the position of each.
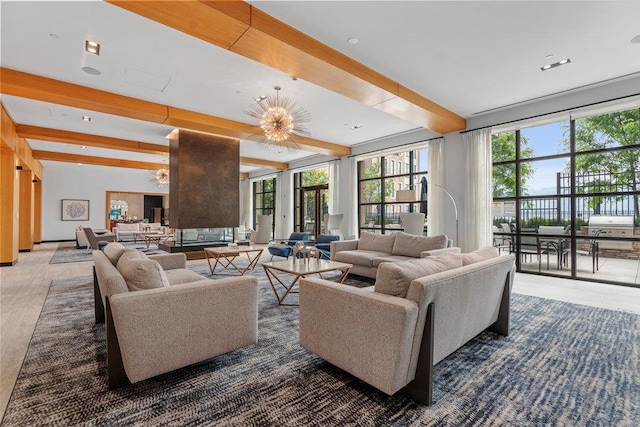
(204, 181)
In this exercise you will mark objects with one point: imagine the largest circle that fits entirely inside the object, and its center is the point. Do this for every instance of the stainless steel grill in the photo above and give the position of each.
(612, 226)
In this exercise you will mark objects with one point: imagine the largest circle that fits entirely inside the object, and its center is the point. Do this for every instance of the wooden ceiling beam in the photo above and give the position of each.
(271, 42)
(93, 160)
(68, 137)
(192, 120)
(30, 86)
(263, 163)
(101, 161)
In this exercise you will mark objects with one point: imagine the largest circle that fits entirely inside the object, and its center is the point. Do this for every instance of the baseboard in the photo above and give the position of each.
(8, 264)
(24, 250)
(58, 241)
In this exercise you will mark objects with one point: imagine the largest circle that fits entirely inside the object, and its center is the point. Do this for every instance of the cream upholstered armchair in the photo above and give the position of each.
(161, 316)
(263, 233)
(333, 223)
(412, 222)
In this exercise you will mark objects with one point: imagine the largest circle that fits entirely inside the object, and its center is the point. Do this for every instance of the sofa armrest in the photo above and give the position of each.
(170, 261)
(343, 245)
(160, 330)
(376, 345)
(436, 252)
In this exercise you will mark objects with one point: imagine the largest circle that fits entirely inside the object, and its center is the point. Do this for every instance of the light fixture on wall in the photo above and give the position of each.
(409, 196)
(280, 120)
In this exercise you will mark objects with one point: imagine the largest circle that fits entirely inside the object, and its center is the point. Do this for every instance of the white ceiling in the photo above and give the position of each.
(469, 57)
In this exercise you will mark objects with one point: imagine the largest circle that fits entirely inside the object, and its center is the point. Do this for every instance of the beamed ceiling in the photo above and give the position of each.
(198, 65)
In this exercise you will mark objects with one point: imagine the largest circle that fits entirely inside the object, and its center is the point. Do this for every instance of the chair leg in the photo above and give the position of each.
(97, 299)
(116, 375)
(421, 388)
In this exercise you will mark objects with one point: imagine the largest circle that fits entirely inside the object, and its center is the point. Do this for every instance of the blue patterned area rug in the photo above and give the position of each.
(563, 364)
(67, 252)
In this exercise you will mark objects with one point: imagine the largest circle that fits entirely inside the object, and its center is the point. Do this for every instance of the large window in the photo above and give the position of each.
(578, 180)
(264, 197)
(378, 180)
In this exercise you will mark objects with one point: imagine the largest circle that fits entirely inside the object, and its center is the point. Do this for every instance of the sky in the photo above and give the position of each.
(546, 140)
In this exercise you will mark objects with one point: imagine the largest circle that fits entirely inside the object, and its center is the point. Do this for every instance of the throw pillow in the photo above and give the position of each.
(411, 245)
(114, 251)
(394, 278)
(130, 255)
(144, 274)
(139, 272)
(376, 242)
(479, 255)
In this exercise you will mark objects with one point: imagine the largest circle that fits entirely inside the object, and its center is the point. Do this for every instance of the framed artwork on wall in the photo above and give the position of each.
(75, 210)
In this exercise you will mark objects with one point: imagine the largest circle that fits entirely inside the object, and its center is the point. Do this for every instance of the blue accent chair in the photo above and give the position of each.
(287, 250)
(323, 244)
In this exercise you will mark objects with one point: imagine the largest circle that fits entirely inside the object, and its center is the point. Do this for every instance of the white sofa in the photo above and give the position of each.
(125, 231)
(367, 253)
(392, 334)
(161, 316)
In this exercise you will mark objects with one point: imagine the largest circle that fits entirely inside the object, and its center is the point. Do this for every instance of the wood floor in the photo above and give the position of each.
(24, 287)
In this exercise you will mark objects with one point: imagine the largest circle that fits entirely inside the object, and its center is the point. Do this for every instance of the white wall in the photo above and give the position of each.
(569, 101)
(87, 182)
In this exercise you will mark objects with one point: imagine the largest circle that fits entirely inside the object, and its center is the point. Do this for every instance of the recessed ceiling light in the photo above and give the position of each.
(86, 118)
(92, 47)
(260, 98)
(354, 127)
(555, 64)
(636, 39)
(549, 56)
(83, 147)
(353, 40)
(54, 36)
(90, 70)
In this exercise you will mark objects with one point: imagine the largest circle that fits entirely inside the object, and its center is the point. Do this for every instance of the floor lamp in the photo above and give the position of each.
(409, 196)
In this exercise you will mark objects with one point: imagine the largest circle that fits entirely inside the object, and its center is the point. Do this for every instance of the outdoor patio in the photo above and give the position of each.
(613, 269)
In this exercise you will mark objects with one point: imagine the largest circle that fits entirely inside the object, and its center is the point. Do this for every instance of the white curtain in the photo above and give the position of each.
(334, 188)
(245, 219)
(478, 193)
(436, 199)
(351, 211)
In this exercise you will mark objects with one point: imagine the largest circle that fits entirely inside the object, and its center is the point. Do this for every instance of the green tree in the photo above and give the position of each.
(503, 146)
(618, 129)
(315, 177)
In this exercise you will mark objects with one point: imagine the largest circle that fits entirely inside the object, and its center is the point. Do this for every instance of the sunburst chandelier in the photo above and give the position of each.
(280, 120)
(161, 176)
